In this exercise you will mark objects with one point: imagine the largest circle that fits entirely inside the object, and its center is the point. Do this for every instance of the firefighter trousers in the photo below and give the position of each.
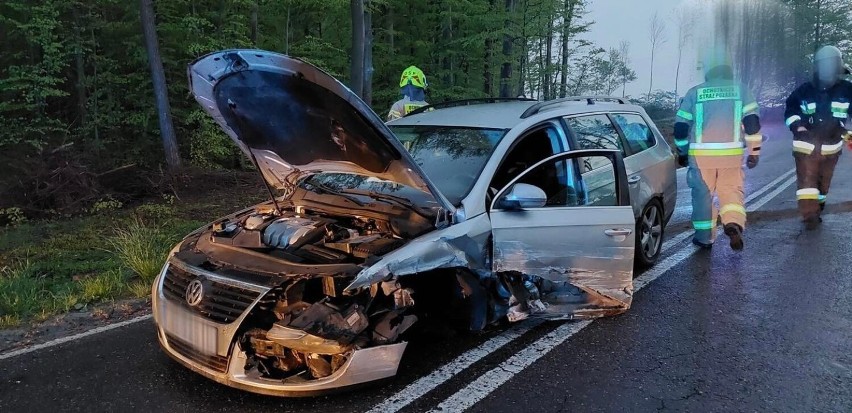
(813, 175)
(727, 184)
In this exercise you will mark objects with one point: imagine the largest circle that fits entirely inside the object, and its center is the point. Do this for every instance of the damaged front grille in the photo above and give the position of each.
(217, 363)
(217, 301)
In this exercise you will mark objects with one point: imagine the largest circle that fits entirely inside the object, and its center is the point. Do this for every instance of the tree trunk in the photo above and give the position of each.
(80, 67)
(548, 60)
(522, 61)
(390, 29)
(567, 19)
(487, 86)
(254, 23)
(223, 8)
(818, 26)
(368, 53)
(287, 32)
(356, 8)
(95, 102)
(506, 69)
(677, 70)
(158, 79)
(446, 39)
(651, 82)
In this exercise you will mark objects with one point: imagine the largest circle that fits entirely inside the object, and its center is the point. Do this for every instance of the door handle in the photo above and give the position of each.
(621, 232)
(634, 179)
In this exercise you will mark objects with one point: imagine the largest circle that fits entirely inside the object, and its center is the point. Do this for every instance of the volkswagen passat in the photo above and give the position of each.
(365, 236)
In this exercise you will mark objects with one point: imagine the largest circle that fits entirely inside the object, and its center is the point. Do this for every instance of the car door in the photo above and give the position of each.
(564, 249)
(596, 131)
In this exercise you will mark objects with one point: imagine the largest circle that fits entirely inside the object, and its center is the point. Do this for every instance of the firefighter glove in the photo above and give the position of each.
(683, 160)
(752, 161)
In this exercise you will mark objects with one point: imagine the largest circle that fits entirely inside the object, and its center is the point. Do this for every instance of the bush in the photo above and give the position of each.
(141, 248)
(661, 106)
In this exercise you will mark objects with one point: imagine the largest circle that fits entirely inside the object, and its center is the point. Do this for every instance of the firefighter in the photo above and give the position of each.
(716, 122)
(412, 84)
(816, 114)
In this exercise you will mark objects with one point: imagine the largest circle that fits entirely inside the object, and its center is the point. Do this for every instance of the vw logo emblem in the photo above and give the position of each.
(194, 293)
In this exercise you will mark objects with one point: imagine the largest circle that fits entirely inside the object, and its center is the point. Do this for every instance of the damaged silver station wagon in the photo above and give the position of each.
(313, 290)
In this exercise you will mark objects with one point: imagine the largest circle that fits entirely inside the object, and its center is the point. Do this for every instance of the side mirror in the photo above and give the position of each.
(522, 196)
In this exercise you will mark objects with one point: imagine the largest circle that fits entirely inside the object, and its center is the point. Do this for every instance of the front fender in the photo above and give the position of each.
(460, 245)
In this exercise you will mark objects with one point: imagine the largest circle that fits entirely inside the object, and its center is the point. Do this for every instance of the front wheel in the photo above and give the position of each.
(649, 235)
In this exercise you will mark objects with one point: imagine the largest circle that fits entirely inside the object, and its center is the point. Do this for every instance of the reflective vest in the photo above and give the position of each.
(714, 110)
(403, 107)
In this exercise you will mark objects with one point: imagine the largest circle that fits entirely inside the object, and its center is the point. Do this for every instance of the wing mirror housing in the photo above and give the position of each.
(522, 196)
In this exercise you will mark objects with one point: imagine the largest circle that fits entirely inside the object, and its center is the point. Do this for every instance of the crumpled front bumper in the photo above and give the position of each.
(210, 349)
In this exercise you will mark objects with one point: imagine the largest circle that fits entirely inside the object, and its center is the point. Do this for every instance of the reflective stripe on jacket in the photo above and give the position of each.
(403, 107)
(823, 113)
(714, 110)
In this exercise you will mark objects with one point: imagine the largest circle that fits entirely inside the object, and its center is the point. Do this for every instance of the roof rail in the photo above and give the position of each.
(465, 102)
(590, 100)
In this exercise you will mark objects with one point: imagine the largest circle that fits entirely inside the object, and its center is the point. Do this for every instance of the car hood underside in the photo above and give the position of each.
(294, 120)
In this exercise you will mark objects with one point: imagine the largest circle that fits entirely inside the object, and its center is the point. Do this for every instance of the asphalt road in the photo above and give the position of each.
(768, 329)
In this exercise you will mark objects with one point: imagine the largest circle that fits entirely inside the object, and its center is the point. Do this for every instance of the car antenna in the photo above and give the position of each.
(233, 107)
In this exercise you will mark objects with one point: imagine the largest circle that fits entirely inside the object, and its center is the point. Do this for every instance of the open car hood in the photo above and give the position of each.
(295, 120)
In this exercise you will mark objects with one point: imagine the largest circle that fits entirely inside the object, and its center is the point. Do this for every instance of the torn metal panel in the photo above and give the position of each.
(462, 245)
(573, 281)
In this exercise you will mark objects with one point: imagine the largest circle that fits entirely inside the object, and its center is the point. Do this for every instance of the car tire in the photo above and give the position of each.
(649, 234)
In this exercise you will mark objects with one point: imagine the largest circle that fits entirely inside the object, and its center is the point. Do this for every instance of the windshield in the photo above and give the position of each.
(452, 157)
(352, 185)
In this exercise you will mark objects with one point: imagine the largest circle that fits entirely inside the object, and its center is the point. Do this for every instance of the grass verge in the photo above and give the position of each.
(55, 266)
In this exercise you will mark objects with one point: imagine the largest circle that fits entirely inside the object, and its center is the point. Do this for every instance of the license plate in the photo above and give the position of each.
(193, 330)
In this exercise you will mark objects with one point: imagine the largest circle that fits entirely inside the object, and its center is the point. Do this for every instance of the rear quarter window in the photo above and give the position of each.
(637, 134)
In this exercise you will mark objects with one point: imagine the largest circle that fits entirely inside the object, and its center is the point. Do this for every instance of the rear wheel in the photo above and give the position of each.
(649, 235)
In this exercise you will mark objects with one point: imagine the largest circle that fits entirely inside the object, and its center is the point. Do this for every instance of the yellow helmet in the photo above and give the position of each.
(414, 76)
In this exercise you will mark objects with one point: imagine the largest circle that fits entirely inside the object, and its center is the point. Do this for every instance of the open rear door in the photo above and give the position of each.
(564, 244)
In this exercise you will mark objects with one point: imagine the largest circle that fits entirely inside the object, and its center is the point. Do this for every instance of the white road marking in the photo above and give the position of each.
(769, 186)
(759, 204)
(491, 380)
(675, 240)
(425, 384)
(494, 378)
(74, 337)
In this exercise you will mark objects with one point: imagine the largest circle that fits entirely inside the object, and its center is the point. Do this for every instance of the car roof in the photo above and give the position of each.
(506, 115)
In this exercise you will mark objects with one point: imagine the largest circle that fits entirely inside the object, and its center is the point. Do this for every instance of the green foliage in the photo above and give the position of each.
(12, 216)
(108, 285)
(142, 248)
(105, 204)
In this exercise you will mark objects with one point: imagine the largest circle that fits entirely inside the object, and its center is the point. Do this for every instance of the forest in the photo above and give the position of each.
(79, 109)
(107, 160)
(77, 101)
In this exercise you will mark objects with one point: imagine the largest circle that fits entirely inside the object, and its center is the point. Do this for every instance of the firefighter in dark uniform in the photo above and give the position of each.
(816, 113)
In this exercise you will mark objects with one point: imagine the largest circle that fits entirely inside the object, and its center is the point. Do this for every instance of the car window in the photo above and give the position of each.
(594, 132)
(529, 150)
(451, 157)
(565, 187)
(637, 134)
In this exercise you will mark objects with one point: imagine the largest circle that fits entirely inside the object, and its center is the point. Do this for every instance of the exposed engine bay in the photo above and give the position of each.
(307, 325)
(309, 238)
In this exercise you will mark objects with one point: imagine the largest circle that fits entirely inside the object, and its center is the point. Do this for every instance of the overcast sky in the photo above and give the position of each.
(618, 20)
